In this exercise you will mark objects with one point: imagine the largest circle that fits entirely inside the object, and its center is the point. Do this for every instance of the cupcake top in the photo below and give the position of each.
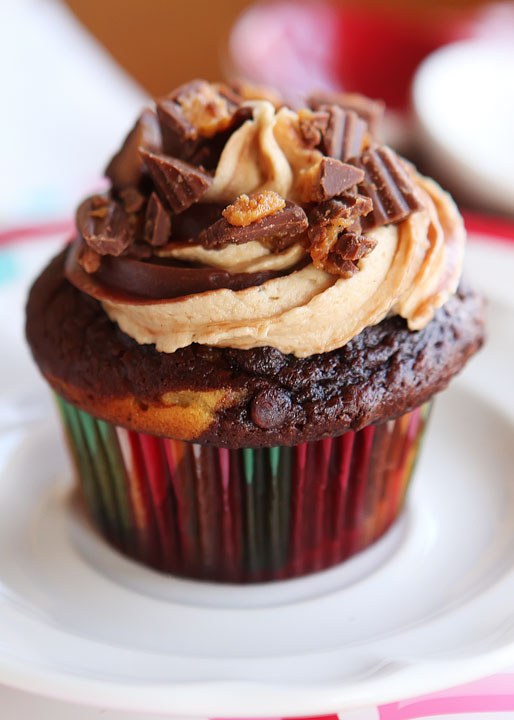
(236, 221)
(256, 275)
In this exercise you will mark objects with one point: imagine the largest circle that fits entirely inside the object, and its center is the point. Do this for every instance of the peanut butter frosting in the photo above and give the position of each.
(250, 226)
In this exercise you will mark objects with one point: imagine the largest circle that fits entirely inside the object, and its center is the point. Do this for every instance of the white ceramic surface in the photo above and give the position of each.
(463, 97)
(79, 622)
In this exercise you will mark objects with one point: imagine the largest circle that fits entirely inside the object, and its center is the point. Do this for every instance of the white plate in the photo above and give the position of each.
(463, 97)
(428, 607)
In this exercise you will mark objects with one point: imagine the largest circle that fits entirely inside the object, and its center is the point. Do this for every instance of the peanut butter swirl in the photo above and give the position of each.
(248, 225)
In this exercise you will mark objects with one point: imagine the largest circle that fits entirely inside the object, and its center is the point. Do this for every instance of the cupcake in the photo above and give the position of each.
(245, 334)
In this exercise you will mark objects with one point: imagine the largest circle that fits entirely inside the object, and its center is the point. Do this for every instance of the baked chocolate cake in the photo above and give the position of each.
(246, 332)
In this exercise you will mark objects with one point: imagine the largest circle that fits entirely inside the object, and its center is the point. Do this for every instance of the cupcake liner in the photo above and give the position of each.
(242, 515)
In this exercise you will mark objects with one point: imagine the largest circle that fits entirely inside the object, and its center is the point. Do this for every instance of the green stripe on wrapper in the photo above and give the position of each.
(243, 515)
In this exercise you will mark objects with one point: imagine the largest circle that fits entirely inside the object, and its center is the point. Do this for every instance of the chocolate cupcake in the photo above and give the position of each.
(246, 333)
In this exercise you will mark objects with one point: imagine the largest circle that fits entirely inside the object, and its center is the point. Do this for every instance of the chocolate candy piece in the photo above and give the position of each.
(89, 259)
(339, 254)
(179, 136)
(353, 246)
(132, 199)
(335, 246)
(312, 126)
(270, 408)
(126, 168)
(340, 212)
(104, 225)
(330, 178)
(388, 185)
(345, 253)
(371, 111)
(281, 229)
(339, 133)
(179, 183)
(189, 224)
(157, 226)
(336, 265)
(193, 113)
(344, 136)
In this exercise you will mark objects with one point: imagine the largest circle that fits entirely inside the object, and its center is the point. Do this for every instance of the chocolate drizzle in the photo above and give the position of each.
(158, 278)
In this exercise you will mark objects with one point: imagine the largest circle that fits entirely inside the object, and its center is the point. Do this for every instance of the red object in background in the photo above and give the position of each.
(379, 50)
(297, 46)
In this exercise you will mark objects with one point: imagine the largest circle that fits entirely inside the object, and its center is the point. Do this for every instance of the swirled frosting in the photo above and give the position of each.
(265, 153)
(352, 242)
(413, 270)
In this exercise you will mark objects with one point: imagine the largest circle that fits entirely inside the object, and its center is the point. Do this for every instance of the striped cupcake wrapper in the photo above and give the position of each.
(243, 515)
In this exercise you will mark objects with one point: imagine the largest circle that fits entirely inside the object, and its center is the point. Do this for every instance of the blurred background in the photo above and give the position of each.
(76, 72)
(162, 43)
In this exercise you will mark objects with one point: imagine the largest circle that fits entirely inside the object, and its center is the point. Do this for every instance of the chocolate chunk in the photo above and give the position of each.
(336, 265)
(388, 185)
(341, 212)
(104, 225)
(352, 246)
(339, 133)
(330, 178)
(332, 247)
(89, 259)
(179, 136)
(194, 113)
(312, 126)
(346, 251)
(189, 224)
(371, 111)
(157, 226)
(270, 408)
(205, 107)
(207, 151)
(126, 168)
(339, 254)
(280, 229)
(179, 183)
(132, 199)
(344, 135)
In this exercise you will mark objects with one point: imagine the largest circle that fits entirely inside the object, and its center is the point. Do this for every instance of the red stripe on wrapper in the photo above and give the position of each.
(244, 515)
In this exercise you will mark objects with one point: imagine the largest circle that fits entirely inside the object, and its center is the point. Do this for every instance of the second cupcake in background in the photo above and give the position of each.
(245, 335)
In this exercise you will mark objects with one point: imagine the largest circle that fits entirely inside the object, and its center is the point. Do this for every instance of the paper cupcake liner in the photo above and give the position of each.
(242, 515)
